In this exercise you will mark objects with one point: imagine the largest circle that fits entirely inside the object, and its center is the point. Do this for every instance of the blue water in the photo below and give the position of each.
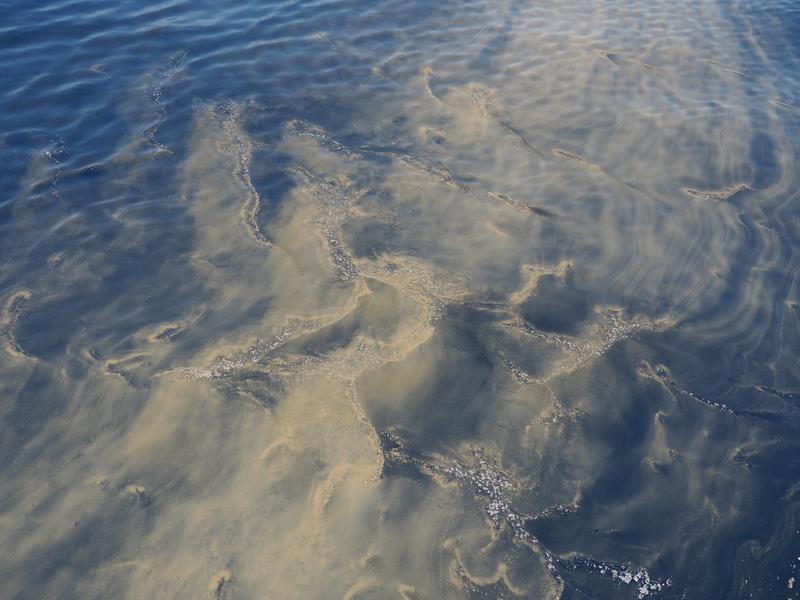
(399, 300)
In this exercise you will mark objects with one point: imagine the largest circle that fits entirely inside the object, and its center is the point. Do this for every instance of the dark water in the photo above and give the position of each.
(399, 300)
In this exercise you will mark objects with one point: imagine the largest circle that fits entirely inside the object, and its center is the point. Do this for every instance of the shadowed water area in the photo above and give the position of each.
(399, 300)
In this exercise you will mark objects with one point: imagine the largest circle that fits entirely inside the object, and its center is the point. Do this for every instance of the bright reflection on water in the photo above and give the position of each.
(412, 300)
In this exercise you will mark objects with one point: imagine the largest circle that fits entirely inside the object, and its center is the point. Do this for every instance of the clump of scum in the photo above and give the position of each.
(613, 328)
(333, 198)
(485, 478)
(225, 366)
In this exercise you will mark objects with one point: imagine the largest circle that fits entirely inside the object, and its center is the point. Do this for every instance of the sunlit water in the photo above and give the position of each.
(410, 300)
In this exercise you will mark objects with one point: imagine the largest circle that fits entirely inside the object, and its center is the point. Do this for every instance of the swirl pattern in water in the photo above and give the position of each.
(414, 300)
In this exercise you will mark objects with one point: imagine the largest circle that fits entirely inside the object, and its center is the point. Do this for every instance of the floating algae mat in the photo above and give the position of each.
(400, 300)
